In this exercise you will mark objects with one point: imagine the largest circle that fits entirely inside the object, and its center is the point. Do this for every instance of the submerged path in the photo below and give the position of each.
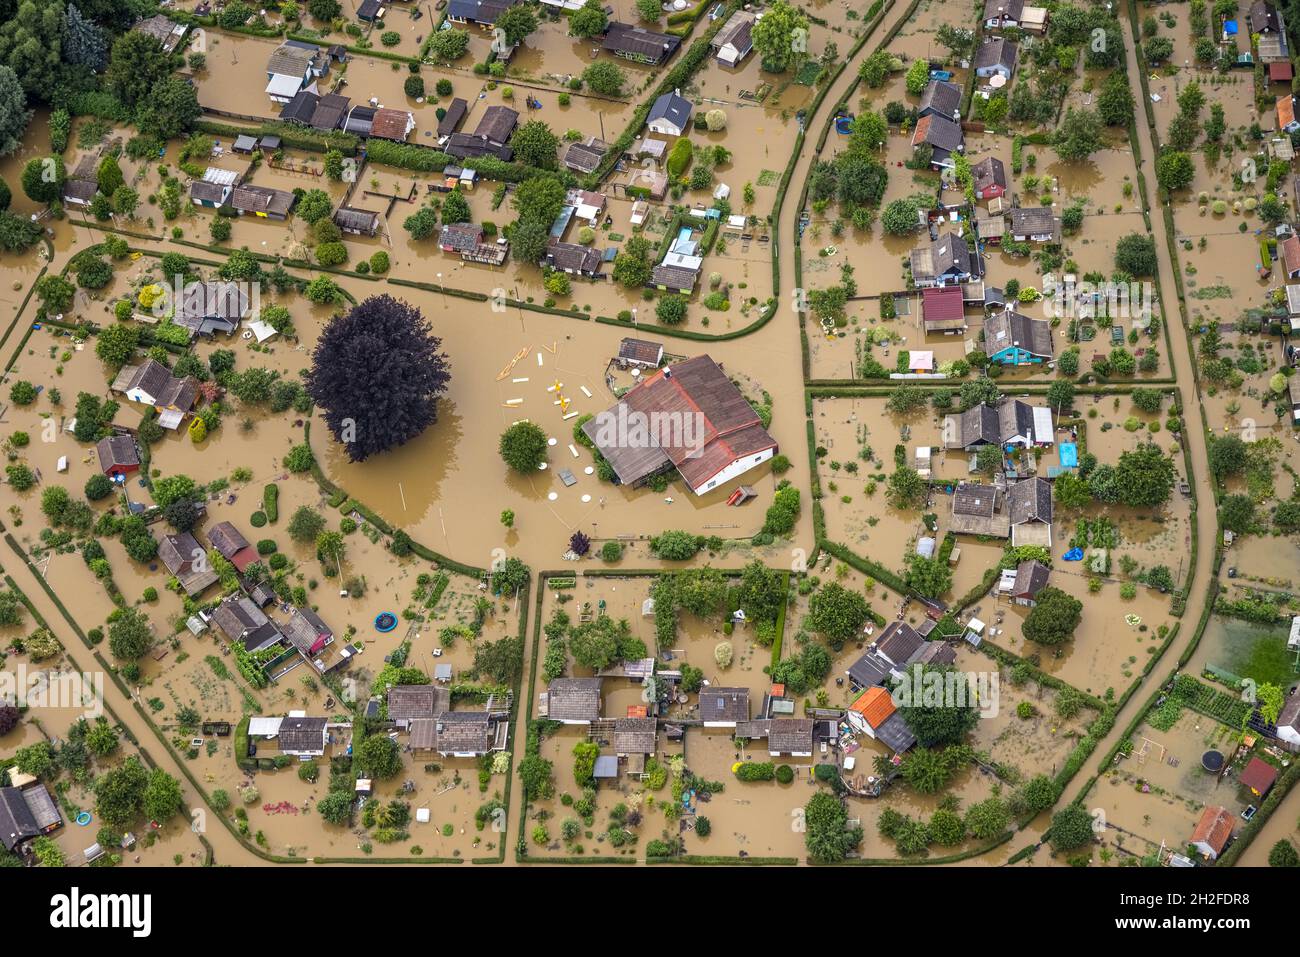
(1194, 439)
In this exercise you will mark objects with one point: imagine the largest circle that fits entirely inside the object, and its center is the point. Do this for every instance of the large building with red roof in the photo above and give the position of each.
(688, 415)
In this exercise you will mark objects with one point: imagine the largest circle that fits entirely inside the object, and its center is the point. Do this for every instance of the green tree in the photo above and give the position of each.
(939, 708)
(589, 20)
(516, 24)
(171, 109)
(1054, 617)
(827, 834)
(1078, 135)
(119, 793)
(918, 77)
(136, 64)
(605, 77)
(1071, 828)
(523, 447)
(781, 37)
(14, 115)
(130, 636)
(837, 613)
(1145, 476)
(1174, 170)
(379, 756)
(43, 178)
(1136, 255)
(162, 798)
(534, 143)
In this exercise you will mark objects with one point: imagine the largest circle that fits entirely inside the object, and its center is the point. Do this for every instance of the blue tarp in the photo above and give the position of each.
(1073, 555)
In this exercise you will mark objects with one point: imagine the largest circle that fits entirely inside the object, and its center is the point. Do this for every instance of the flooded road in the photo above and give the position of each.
(1194, 437)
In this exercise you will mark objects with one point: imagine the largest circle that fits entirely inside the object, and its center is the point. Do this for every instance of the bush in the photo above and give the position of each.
(784, 774)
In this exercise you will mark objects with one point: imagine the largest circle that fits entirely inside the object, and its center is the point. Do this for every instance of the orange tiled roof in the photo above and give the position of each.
(875, 705)
(1214, 828)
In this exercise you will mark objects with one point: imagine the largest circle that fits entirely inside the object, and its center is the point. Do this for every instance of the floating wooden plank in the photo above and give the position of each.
(520, 379)
(570, 415)
(539, 358)
(586, 392)
(514, 401)
(511, 364)
(573, 449)
(551, 348)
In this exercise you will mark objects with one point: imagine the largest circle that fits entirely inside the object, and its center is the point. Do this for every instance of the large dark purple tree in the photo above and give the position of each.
(377, 375)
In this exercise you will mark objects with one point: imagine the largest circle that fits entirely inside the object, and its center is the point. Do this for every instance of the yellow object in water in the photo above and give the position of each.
(135, 256)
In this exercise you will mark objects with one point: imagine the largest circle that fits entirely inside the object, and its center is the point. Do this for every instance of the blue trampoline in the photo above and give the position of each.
(1069, 455)
(844, 125)
(385, 621)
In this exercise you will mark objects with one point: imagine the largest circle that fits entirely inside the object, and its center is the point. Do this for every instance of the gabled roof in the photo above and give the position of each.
(674, 108)
(408, 702)
(724, 704)
(330, 111)
(1263, 17)
(261, 199)
(206, 192)
(349, 217)
(585, 156)
(226, 539)
(637, 41)
(1214, 828)
(875, 705)
(307, 632)
(391, 124)
(1289, 252)
(635, 735)
(301, 108)
(240, 619)
(480, 11)
(301, 733)
(697, 386)
(1030, 500)
(119, 450)
(790, 735)
(1007, 329)
(941, 97)
(185, 558)
(573, 699)
(870, 669)
(1258, 776)
(1036, 221)
(1031, 578)
(640, 350)
(1003, 9)
(450, 121)
(943, 307)
(989, 172)
(468, 145)
(573, 256)
(460, 236)
(996, 52)
(939, 131)
(289, 60)
(738, 32)
(948, 255)
(454, 732)
(497, 124)
(898, 643)
(978, 425)
(17, 823)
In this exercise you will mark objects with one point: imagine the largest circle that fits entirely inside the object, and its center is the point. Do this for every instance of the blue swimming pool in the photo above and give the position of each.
(1069, 455)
